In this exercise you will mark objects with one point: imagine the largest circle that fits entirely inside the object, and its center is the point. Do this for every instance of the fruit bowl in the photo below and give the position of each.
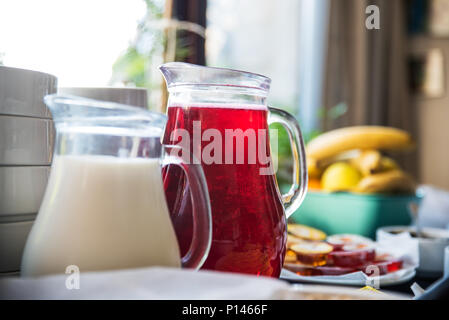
(343, 212)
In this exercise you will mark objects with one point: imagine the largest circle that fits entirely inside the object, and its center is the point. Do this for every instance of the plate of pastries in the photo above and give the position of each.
(313, 256)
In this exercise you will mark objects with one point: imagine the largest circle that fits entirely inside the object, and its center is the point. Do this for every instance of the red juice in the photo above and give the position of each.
(249, 226)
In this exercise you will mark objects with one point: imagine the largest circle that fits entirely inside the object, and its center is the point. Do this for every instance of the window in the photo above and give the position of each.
(76, 40)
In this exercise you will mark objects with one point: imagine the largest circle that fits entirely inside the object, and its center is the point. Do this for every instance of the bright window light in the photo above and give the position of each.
(76, 40)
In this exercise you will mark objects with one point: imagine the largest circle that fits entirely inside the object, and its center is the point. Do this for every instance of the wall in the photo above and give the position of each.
(432, 117)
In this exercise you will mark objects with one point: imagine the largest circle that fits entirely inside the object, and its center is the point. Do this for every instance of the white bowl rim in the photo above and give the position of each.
(439, 233)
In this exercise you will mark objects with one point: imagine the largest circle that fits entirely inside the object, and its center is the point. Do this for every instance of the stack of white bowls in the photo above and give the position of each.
(26, 147)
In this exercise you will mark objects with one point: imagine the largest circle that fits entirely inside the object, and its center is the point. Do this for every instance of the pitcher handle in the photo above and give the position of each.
(202, 216)
(295, 195)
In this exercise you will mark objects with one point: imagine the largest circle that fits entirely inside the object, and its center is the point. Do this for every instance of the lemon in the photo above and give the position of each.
(340, 176)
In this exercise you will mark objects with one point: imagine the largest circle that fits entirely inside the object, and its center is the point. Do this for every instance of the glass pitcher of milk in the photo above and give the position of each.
(104, 206)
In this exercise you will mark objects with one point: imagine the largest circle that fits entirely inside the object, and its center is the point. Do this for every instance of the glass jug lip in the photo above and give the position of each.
(74, 112)
(182, 74)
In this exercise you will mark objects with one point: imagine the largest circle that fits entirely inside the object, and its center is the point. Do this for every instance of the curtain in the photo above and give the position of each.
(367, 69)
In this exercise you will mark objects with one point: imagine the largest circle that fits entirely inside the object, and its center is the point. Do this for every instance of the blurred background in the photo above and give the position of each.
(327, 67)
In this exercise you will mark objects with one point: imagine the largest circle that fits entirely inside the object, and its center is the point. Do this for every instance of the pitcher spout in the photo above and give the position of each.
(173, 72)
(186, 74)
(102, 116)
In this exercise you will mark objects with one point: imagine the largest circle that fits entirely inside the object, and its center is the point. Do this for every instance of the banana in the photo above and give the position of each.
(313, 169)
(389, 181)
(387, 164)
(368, 162)
(334, 142)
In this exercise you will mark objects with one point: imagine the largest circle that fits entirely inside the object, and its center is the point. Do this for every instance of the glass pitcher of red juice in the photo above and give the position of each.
(221, 117)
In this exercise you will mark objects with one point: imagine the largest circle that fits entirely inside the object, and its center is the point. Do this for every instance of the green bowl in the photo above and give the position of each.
(353, 213)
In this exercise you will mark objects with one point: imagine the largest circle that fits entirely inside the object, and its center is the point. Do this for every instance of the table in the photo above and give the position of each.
(424, 281)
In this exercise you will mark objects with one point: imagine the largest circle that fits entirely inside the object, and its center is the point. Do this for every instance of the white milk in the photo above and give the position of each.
(100, 213)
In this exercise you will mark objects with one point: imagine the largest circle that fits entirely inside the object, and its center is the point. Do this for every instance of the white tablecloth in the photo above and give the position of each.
(147, 283)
